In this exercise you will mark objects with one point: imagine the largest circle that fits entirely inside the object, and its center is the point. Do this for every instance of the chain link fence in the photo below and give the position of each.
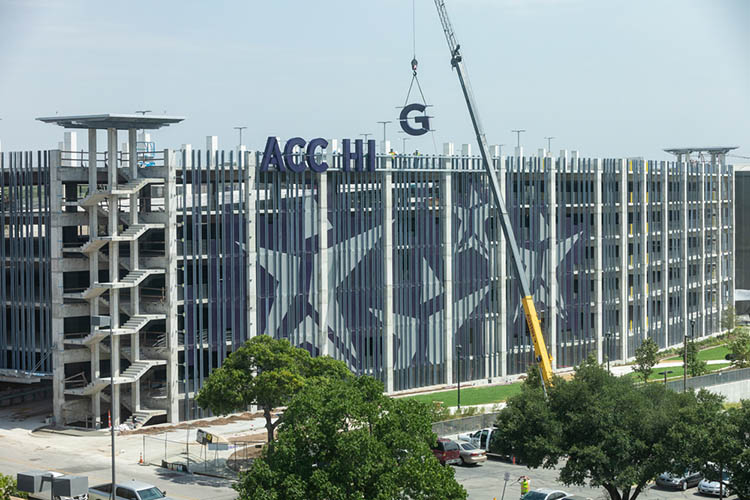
(223, 459)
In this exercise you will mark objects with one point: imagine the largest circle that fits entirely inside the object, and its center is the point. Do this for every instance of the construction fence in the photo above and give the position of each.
(223, 459)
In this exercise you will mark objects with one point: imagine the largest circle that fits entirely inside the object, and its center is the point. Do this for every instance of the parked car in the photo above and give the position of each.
(709, 487)
(132, 490)
(470, 454)
(577, 497)
(447, 452)
(480, 439)
(683, 482)
(544, 494)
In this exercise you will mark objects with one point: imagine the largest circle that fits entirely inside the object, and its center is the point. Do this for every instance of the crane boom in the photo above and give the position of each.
(532, 320)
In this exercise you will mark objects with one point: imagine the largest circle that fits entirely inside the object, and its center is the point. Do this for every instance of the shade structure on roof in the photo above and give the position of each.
(121, 122)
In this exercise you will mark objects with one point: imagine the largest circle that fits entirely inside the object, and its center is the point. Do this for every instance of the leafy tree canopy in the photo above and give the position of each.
(646, 357)
(345, 440)
(609, 432)
(739, 347)
(8, 488)
(266, 372)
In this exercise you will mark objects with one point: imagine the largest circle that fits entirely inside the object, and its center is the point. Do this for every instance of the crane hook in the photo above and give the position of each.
(414, 64)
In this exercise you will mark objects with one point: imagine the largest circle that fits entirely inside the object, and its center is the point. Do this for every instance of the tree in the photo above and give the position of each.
(9, 488)
(266, 372)
(607, 431)
(345, 440)
(646, 358)
(729, 319)
(695, 366)
(739, 347)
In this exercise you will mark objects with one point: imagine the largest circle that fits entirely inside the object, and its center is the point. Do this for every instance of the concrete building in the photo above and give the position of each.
(191, 253)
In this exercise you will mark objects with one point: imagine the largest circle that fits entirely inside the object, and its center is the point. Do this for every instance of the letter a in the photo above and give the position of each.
(272, 156)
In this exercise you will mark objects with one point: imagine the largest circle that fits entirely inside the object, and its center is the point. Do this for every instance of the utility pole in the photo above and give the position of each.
(240, 129)
(518, 136)
(549, 142)
(384, 123)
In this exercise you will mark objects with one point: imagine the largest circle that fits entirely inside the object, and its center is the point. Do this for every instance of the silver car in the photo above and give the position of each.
(683, 482)
(708, 487)
(470, 454)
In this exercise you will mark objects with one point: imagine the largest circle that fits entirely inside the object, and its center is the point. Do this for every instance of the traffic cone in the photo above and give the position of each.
(140, 459)
(513, 457)
(109, 418)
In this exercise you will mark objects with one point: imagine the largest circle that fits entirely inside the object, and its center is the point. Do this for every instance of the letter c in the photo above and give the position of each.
(289, 155)
(311, 162)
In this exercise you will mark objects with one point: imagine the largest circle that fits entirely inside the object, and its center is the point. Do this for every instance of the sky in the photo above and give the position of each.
(609, 78)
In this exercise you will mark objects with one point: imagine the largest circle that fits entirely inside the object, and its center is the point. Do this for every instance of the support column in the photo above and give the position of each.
(446, 207)
(170, 277)
(598, 290)
(719, 233)
(701, 181)
(684, 264)
(251, 202)
(135, 345)
(643, 257)
(732, 232)
(389, 318)
(552, 260)
(96, 400)
(56, 288)
(114, 257)
(502, 264)
(323, 246)
(664, 206)
(624, 259)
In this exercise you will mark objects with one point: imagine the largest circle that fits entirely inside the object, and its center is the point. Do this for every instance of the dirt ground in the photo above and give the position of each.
(160, 429)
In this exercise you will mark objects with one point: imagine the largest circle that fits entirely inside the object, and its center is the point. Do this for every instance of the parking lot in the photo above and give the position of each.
(485, 482)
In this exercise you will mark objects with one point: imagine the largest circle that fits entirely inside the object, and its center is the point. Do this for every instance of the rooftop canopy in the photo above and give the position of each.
(122, 122)
(716, 149)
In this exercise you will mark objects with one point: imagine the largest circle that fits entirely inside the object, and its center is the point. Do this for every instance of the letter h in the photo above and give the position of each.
(358, 155)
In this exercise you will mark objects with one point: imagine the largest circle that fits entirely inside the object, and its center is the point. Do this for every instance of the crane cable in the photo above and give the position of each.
(414, 65)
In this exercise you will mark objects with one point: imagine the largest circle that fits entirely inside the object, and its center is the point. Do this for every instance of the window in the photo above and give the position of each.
(150, 494)
(126, 493)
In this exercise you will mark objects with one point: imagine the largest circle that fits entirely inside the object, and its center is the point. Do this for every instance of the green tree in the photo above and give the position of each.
(739, 347)
(345, 440)
(729, 319)
(695, 366)
(607, 431)
(8, 488)
(646, 358)
(266, 372)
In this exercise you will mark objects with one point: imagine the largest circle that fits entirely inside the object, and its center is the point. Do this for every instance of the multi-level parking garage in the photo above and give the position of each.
(190, 253)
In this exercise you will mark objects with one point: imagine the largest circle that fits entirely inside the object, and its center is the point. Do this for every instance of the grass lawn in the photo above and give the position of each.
(473, 396)
(677, 371)
(713, 353)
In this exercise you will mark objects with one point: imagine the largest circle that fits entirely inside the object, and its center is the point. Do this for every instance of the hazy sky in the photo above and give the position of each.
(607, 77)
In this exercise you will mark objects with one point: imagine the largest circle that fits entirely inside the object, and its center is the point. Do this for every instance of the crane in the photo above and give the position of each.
(541, 355)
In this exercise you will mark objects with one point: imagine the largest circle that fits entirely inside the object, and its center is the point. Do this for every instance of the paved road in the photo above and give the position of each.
(89, 455)
(485, 482)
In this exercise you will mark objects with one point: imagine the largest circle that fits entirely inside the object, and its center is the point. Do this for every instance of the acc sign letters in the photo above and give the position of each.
(298, 162)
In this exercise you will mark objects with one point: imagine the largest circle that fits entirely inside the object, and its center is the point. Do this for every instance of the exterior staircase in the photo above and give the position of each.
(127, 189)
(131, 326)
(132, 279)
(134, 372)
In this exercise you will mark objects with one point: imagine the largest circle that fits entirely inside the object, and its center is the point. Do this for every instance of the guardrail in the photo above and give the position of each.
(717, 378)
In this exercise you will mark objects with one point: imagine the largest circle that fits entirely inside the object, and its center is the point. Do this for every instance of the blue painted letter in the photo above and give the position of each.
(311, 162)
(289, 155)
(358, 155)
(272, 155)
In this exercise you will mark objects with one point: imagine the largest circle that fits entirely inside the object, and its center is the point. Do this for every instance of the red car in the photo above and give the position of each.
(447, 452)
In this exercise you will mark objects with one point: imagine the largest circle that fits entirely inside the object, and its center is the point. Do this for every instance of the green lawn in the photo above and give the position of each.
(473, 396)
(677, 371)
(713, 353)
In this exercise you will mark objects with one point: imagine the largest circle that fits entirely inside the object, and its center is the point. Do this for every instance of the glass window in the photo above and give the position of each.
(150, 494)
(468, 446)
(126, 493)
(106, 488)
(450, 446)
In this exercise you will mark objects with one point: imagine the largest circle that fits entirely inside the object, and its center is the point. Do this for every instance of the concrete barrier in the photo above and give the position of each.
(464, 424)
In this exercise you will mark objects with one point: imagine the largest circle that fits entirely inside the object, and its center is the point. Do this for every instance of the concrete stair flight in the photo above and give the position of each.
(131, 187)
(132, 279)
(134, 372)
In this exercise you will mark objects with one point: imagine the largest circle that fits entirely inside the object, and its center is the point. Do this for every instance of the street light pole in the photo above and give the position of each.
(608, 336)
(403, 141)
(458, 351)
(385, 124)
(101, 321)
